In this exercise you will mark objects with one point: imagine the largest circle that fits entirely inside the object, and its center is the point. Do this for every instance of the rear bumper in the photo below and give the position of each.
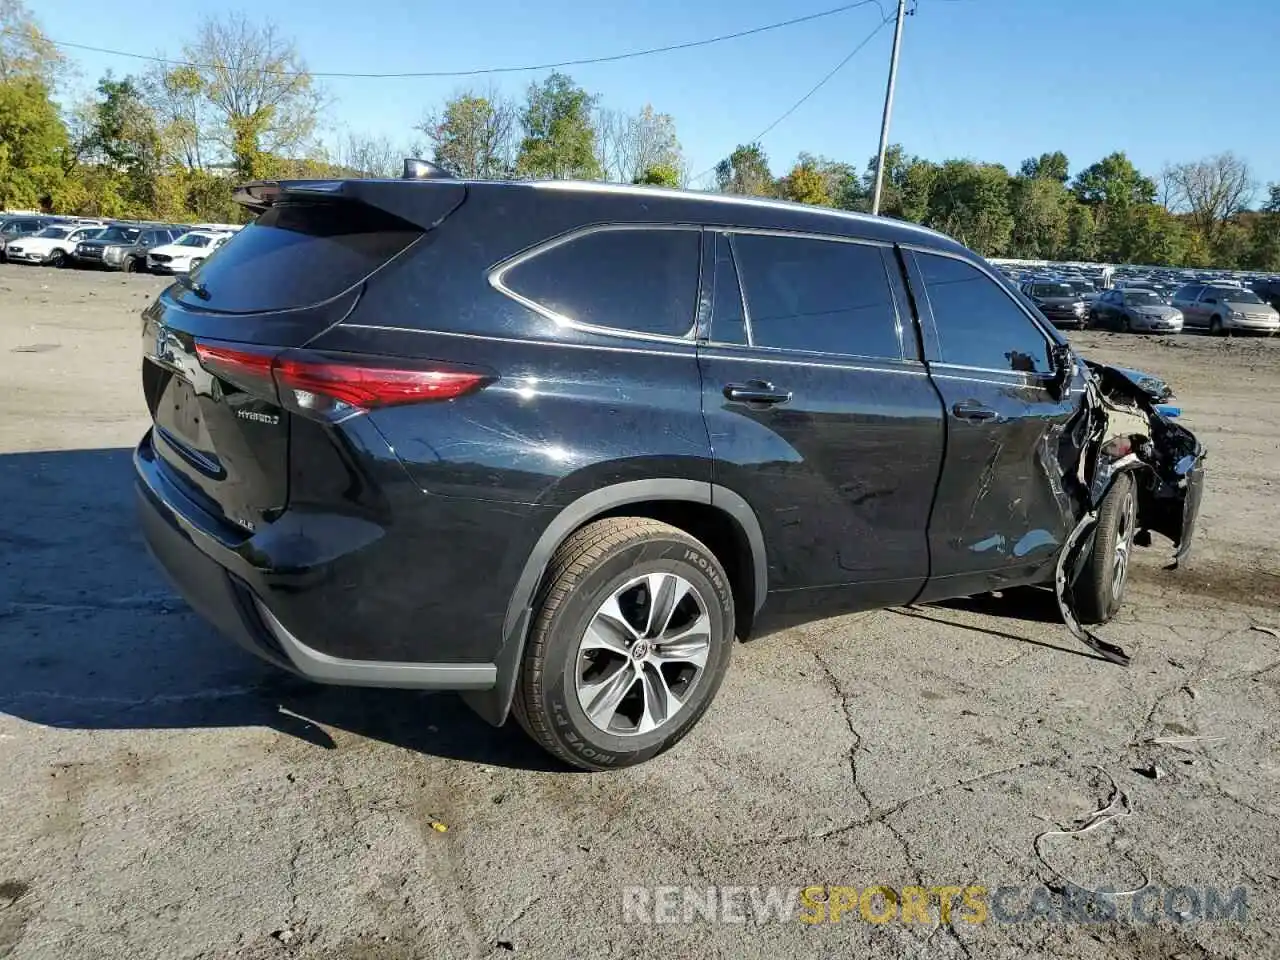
(233, 593)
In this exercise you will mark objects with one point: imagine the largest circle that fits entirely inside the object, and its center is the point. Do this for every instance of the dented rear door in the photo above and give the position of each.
(1001, 512)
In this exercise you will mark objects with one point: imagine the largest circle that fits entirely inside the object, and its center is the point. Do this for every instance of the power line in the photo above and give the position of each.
(479, 71)
(812, 90)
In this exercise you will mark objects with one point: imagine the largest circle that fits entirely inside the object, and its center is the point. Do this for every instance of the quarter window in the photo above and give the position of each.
(821, 296)
(643, 280)
(978, 324)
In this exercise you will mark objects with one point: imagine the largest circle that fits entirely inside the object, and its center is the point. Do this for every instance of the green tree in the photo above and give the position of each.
(1264, 234)
(1040, 211)
(559, 138)
(660, 175)
(33, 144)
(1111, 181)
(1047, 166)
(970, 201)
(122, 137)
(474, 135)
(745, 172)
(1082, 234)
(1213, 191)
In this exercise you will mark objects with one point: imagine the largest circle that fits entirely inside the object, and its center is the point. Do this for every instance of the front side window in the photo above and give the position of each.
(977, 322)
(820, 296)
(637, 279)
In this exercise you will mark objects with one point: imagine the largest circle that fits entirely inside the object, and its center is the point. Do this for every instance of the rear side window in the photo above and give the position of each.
(978, 324)
(822, 296)
(642, 280)
(299, 254)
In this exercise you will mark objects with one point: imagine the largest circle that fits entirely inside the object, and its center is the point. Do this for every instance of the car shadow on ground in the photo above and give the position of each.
(92, 637)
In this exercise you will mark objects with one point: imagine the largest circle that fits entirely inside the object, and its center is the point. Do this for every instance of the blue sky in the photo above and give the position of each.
(1000, 80)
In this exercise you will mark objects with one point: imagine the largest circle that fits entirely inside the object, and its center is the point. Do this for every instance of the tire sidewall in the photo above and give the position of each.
(1111, 600)
(568, 723)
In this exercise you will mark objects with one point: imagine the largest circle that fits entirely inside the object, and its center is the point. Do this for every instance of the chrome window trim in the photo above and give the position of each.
(1049, 340)
(528, 341)
(730, 232)
(833, 362)
(497, 274)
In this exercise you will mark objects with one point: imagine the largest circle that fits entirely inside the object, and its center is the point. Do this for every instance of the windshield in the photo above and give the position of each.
(1082, 286)
(119, 234)
(56, 233)
(1051, 290)
(1139, 298)
(1236, 295)
(193, 240)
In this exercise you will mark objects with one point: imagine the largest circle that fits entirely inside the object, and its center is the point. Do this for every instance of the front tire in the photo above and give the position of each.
(1099, 590)
(57, 259)
(632, 635)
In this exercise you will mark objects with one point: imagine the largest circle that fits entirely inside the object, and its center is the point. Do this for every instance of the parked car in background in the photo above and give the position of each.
(1137, 309)
(51, 246)
(186, 253)
(123, 247)
(1225, 309)
(1269, 290)
(1058, 301)
(580, 436)
(1085, 289)
(16, 227)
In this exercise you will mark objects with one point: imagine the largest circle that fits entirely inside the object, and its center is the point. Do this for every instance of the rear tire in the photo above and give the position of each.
(1099, 590)
(1126, 324)
(1216, 329)
(600, 687)
(133, 265)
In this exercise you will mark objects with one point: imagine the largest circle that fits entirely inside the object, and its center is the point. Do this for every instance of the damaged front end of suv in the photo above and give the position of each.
(1127, 440)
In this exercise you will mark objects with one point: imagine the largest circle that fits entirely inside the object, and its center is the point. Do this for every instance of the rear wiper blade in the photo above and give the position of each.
(199, 289)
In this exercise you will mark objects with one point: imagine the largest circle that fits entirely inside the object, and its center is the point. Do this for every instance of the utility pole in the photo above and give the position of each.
(888, 106)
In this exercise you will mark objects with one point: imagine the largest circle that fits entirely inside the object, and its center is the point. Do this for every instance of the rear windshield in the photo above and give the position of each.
(120, 234)
(1051, 290)
(299, 254)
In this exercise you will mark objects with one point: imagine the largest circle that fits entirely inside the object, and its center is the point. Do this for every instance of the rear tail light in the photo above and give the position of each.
(332, 386)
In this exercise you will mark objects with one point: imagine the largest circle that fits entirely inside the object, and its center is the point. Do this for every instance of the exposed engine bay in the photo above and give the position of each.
(1123, 431)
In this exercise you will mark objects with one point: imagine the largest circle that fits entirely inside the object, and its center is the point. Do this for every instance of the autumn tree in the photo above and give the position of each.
(1212, 191)
(474, 135)
(25, 52)
(259, 95)
(629, 144)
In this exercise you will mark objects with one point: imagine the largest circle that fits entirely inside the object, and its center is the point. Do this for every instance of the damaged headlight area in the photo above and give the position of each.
(1129, 436)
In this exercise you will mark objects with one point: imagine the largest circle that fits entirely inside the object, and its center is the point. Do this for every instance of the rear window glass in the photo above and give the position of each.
(643, 280)
(298, 254)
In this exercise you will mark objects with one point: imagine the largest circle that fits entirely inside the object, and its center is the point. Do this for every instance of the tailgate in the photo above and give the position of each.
(297, 270)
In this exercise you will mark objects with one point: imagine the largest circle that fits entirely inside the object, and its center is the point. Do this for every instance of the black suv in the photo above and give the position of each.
(556, 444)
(124, 246)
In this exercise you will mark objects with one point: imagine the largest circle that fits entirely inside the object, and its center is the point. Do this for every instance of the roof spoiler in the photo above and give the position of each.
(422, 207)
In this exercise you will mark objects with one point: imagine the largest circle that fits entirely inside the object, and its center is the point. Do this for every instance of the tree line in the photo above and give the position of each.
(170, 143)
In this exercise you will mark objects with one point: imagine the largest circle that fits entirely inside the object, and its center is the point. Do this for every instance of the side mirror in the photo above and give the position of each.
(1064, 369)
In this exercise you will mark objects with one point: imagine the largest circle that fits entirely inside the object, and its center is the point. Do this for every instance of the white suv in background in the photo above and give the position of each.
(52, 245)
(186, 253)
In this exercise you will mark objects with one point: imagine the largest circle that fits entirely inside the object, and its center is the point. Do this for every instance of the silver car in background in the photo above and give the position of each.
(1135, 310)
(1225, 309)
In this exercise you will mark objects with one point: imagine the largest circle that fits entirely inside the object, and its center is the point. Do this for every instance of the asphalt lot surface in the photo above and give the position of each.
(164, 795)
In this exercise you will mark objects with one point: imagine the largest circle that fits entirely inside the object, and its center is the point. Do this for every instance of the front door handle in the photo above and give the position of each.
(756, 391)
(974, 411)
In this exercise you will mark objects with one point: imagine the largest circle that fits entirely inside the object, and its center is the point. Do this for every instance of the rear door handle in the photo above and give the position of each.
(974, 411)
(756, 391)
